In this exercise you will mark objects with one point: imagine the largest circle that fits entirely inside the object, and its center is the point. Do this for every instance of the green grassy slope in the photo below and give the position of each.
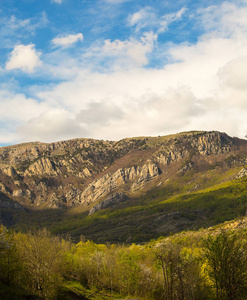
(159, 212)
(193, 190)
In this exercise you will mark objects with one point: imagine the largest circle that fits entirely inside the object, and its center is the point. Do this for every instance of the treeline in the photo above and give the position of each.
(188, 266)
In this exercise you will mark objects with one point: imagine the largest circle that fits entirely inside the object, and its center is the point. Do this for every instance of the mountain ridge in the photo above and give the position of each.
(85, 174)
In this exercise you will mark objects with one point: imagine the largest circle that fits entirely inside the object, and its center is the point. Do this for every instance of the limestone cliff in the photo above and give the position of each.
(42, 166)
(208, 143)
(86, 171)
(110, 201)
(110, 182)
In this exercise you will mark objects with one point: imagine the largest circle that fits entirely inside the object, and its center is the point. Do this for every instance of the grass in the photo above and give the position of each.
(150, 214)
(200, 197)
(143, 219)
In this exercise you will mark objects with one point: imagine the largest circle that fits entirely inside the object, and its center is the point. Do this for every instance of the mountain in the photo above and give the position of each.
(134, 189)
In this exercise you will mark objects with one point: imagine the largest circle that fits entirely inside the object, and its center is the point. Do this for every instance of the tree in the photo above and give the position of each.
(41, 257)
(181, 272)
(168, 255)
(9, 264)
(227, 265)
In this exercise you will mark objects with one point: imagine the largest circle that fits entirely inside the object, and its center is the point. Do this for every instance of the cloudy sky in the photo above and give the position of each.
(110, 69)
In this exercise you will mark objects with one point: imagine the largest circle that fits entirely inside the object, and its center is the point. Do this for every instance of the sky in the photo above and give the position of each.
(110, 69)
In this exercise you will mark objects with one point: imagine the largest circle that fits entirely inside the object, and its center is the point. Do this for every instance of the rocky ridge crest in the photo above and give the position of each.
(86, 171)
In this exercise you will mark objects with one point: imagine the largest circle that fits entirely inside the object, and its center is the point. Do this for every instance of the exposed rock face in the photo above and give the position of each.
(242, 173)
(5, 202)
(41, 167)
(22, 193)
(111, 200)
(204, 144)
(147, 173)
(74, 172)
(213, 143)
(108, 183)
(3, 188)
(185, 168)
(11, 204)
(171, 155)
(9, 171)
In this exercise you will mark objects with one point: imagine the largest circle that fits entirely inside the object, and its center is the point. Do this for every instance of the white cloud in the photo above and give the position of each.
(24, 57)
(101, 113)
(147, 17)
(30, 24)
(53, 125)
(233, 75)
(117, 1)
(14, 29)
(142, 18)
(13, 26)
(56, 1)
(67, 40)
(166, 20)
(18, 108)
(225, 19)
(131, 51)
(203, 86)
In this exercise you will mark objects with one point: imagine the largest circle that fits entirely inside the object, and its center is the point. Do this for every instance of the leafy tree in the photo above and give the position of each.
(181, 272)
(42, 261)
(168, 256)
(9, 264)
(227, 265)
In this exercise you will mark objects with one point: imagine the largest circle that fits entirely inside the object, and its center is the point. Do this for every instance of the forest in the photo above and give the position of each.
(204, 264)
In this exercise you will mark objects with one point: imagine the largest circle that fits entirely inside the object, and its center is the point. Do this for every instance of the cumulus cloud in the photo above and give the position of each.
(8, 136)
(225, 19)
(202, 85)
(67, 40)
(199, 89)
(24, 57)
(131, 51)
(100, 114)
(233, 75)
(16, 109)
(12, 104)
(53, 125)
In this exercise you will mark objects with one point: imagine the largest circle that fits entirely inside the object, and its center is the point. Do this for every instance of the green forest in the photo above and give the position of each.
(204, 264)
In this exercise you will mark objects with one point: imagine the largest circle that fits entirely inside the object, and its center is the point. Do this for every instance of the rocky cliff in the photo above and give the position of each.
(82, 172)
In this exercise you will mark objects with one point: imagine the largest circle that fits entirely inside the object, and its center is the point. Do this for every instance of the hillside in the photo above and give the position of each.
(131, 190)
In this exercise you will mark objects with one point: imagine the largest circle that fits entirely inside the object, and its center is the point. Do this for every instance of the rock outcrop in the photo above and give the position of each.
(108, 202)
(6, 202)
(110, 182)
(41, 167)
(11, 204)
(69, 173)
(205, 144)
(242, 173)
(213, 143)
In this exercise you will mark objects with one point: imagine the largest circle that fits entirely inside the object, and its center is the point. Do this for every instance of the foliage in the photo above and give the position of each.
(227, 265)
(186, 266)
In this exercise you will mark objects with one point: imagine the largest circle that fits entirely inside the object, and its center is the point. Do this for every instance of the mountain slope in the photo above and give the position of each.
(133, 189)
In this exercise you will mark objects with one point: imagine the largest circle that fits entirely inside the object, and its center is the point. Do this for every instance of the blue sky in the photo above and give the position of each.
(110, 69)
